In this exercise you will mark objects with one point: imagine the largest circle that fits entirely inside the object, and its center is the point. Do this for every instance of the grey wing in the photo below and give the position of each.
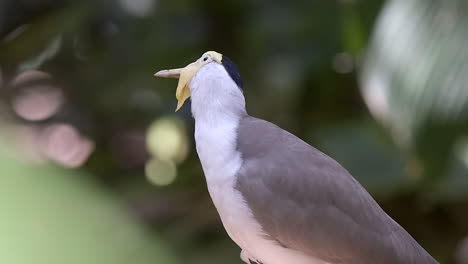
(306, 201)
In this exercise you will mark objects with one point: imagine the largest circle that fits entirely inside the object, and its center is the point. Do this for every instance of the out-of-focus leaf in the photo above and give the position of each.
(53, 216)
(455, 184)
(365, 154)
(416, 74)
(49, 52)
(33, 38)
(352, 29)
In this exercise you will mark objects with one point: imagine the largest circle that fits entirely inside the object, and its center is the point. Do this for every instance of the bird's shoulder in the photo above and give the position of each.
(262, 142)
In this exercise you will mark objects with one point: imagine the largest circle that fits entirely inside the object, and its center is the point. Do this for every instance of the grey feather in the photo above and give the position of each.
(306, 201)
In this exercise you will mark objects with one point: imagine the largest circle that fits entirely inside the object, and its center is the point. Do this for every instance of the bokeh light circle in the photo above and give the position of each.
(166, 139)
(160, 172)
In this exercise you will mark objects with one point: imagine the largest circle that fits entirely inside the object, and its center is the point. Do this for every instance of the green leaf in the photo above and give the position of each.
(53, 216)
(415, 77)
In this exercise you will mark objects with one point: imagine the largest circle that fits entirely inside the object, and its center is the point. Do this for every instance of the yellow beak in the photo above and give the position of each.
(186, 74)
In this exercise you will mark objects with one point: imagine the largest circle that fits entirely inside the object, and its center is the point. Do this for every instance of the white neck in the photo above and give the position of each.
(214, 93)
(217, 106)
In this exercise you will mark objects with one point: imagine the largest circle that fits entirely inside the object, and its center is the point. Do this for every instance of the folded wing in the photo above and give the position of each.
(306, 201)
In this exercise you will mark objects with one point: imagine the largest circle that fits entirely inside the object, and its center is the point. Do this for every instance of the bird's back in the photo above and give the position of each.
(306, 201)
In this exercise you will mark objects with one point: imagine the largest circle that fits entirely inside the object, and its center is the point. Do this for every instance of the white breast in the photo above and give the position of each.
(220, 162)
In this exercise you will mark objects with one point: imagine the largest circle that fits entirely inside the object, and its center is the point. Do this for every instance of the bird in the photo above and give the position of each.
(279, 199)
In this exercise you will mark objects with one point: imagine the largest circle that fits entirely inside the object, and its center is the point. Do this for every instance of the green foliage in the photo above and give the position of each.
(53, 215)
(417, 84)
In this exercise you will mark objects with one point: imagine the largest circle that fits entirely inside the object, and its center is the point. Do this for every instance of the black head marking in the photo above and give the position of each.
(231, 68)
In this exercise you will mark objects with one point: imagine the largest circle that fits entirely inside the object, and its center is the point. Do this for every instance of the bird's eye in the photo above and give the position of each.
(205, 59)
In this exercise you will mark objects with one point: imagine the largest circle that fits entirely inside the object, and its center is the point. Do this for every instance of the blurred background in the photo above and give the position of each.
(95, 166)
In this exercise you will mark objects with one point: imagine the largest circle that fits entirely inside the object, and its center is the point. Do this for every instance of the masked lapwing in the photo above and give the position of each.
(281, 200)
